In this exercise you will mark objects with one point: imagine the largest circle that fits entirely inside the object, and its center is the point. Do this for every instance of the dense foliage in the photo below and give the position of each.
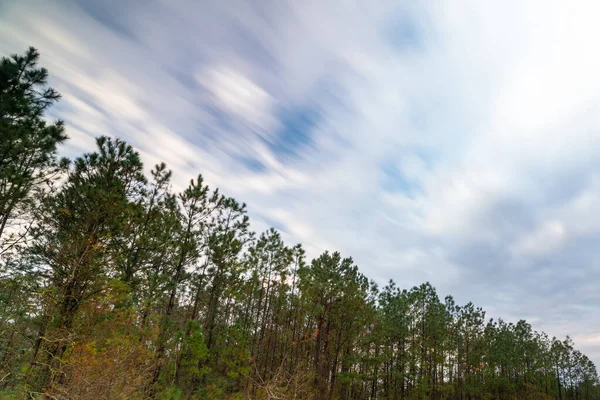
(113, 287)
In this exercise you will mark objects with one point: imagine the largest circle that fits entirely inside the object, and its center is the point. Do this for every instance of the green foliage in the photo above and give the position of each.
(171, 393)
(124, 289)
(28, 146)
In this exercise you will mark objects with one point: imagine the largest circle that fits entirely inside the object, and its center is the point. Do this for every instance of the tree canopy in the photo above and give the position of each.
(114, 286)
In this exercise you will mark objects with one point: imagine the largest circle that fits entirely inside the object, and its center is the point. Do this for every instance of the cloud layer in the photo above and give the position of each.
(452, 142)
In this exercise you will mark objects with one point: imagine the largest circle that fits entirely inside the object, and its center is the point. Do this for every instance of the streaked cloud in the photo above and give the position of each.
(454, 142)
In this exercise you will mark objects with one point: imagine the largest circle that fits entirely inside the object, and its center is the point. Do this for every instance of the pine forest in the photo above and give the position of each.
(115, 286)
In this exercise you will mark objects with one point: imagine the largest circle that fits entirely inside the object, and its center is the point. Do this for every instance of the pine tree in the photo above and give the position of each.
(72, 244)
(28, 145)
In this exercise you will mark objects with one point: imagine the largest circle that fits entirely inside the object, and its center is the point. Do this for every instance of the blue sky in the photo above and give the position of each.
(451, 142)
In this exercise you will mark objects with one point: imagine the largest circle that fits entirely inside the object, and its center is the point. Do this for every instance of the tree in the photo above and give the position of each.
(337, 296)
(29, 143)
(195, 207)
(72, 245)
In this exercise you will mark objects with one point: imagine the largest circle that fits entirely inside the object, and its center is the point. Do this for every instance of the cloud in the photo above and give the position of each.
(240, 98)
(546, 239)
(454, 142)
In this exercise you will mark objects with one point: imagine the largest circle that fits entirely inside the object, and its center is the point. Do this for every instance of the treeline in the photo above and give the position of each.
(114, 287)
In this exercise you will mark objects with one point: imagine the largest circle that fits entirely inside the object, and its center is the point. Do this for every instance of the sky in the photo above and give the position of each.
(450, 142)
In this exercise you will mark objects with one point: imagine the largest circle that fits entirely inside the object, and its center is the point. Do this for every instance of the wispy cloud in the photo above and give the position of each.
(451, 142)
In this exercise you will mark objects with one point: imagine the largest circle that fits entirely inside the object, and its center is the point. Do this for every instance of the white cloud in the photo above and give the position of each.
(488, 109)
(548, 238)
(237, 95)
